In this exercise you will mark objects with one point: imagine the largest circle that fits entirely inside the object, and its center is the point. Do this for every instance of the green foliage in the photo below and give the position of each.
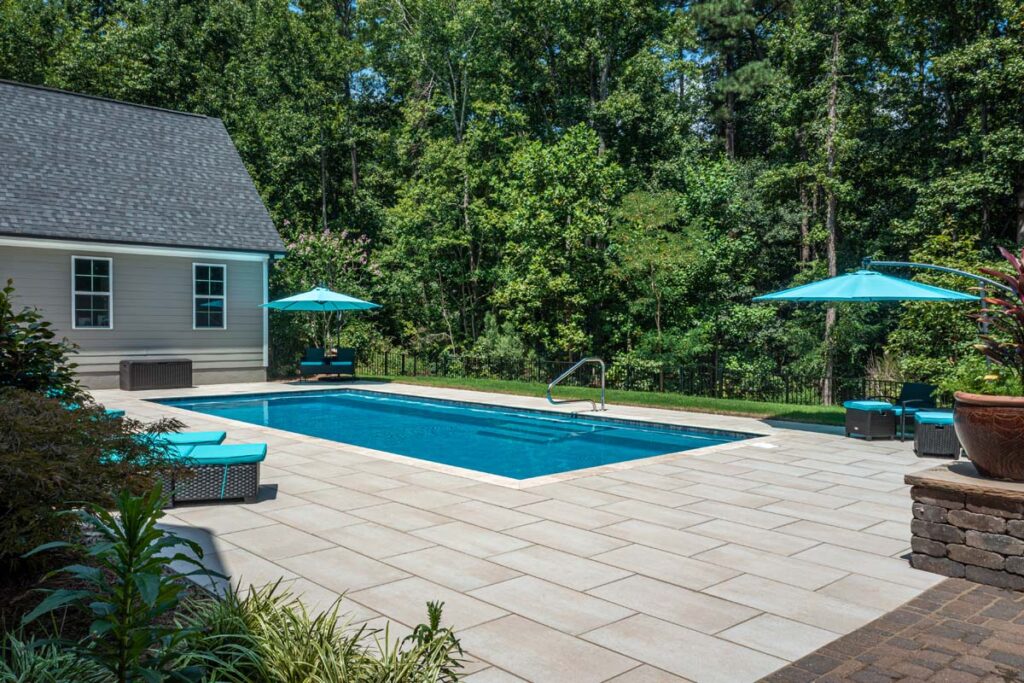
(50, 455)
(29, 357)
(266, 635)
(37, 661)
(1003, 343)
(606, 176)
(127, 589)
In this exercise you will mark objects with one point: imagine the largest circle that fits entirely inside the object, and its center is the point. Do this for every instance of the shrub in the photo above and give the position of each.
(50, 456)
(36, 661)
(29, 356)
(127, 589)
(267, 635)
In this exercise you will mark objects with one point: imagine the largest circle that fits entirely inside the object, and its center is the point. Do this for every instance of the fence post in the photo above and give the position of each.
(414, 365)
(386, 354)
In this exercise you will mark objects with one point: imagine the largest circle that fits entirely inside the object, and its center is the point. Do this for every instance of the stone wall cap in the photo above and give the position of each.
(963, 477)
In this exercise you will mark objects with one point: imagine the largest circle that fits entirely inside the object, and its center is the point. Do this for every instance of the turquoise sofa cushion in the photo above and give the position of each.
(934, 417)
(871, 406)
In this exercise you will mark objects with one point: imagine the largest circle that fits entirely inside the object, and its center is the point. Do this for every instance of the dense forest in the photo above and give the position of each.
(559, 177)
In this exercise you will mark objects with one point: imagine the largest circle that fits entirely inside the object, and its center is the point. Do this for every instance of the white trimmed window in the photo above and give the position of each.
(92, 293)
(209, 296)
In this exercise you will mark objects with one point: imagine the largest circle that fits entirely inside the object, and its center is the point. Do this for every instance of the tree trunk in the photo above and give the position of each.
(730, 125)
(323, 181)
(831, 209)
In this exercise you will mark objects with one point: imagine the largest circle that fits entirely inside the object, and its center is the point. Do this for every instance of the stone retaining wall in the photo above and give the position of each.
(962, 534)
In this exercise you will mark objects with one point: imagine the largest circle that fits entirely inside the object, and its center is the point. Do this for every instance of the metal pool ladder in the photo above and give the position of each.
(584, 361)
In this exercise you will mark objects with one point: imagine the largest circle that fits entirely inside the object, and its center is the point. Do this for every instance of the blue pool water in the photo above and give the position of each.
(511, 443)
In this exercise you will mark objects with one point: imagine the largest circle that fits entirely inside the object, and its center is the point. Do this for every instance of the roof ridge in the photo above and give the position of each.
(46, 88)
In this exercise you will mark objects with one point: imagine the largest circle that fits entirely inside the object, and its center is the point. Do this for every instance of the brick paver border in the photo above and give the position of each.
(956, 632)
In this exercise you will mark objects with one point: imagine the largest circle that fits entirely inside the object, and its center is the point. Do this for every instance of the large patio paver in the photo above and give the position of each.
(451, 568)
(685, 607)
(566, 538)
(540, 653)
(683, 651)
(552, 605)
(342, 570)
(406, 600)
(681, 571)
(574, 572)
(795, 603)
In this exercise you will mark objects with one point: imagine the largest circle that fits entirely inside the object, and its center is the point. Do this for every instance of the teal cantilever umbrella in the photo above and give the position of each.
(866, 285)
(322, 300)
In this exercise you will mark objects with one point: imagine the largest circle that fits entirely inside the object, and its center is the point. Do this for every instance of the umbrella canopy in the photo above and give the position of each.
(321, 299)
(866, 285)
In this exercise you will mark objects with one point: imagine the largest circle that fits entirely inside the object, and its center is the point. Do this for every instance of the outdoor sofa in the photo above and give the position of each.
(317, 362)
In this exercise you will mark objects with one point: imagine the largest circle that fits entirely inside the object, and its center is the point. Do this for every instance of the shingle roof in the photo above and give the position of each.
(84, 168)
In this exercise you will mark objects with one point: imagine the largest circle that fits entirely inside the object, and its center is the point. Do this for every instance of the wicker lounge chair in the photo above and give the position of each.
(870, 419)
(313, 363)
(343, 363)
(934, 434)
(218, 472)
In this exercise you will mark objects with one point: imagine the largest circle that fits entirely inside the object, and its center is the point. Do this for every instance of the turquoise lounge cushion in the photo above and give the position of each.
(341, 362)
(870, 406)
(934, 417)
(233, 454)
(185, 442)
(311, 364)
(191, 438)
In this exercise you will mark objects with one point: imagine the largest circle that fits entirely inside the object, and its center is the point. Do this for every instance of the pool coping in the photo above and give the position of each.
(749, 438)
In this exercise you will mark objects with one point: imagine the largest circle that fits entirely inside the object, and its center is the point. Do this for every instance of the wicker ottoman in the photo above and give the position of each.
(870, 419)
(934, 434)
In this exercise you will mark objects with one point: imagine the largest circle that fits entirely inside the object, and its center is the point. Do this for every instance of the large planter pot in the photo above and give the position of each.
(991, 430)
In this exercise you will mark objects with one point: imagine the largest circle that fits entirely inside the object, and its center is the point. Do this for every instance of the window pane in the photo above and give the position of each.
(202, 287)
(92, 275)
(209, 312)
(92, 310)
(217, 284)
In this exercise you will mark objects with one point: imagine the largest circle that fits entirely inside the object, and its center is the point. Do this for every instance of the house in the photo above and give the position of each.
(136, 231)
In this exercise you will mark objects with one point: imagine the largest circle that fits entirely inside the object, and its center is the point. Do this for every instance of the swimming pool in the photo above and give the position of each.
(508, 442)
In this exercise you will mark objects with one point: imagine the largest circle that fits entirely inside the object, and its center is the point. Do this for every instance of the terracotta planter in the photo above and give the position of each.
(991, 430)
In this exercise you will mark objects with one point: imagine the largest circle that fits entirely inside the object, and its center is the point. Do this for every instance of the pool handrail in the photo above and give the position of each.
(575, 366)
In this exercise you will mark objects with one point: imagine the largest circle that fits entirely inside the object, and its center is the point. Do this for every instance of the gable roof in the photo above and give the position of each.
(77, 167)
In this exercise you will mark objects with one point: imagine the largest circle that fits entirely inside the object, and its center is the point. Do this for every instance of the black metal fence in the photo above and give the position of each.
(783, 386)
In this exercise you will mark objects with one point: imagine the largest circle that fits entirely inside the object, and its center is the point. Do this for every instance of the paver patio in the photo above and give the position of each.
(723, 564)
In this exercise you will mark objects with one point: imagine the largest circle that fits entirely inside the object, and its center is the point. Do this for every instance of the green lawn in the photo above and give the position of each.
(828, 415)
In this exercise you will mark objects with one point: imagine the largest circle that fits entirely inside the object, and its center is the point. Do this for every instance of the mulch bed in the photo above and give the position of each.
(956, 632)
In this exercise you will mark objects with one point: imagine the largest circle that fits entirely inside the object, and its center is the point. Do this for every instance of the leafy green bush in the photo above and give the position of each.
(51, 456)
(127, 589)
(38, 661)
(268, 635)
(29, 356)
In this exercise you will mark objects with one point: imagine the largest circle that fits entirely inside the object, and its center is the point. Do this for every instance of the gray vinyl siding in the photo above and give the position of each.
(152, 312)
